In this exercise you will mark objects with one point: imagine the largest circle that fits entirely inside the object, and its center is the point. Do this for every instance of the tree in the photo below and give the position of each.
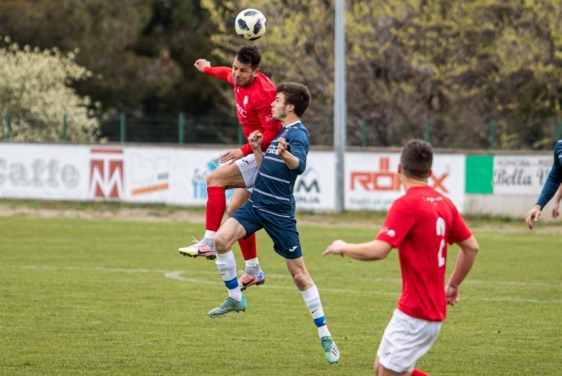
(459, 64)
(141, 51)
(34, 91)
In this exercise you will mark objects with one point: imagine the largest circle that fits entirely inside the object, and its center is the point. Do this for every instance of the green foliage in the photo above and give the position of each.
(458, 63)
(141, 51)
(34, 91)
(113, 297)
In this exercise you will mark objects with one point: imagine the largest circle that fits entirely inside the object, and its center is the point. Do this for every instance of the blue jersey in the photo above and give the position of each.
(273, 191)
(554, 177)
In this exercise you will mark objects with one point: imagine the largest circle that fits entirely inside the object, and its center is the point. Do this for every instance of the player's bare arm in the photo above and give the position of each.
(465, 260)
(201, 64)
(291, 161)
(373, 250)
(255, 139)
(231, 156)
(535, 214)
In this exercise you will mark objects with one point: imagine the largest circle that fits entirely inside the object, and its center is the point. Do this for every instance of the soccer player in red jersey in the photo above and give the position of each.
(254, 92)
(419, 224)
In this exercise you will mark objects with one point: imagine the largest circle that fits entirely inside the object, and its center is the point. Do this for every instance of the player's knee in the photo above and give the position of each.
(214, 179)
(221, 243)
(302, 280)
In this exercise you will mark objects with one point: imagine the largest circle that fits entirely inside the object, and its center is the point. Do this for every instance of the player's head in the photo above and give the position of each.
(246, 65)
(290, 97)
(250, 55)
(416, 159)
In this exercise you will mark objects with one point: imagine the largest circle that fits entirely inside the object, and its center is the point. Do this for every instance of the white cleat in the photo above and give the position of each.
(200, 248)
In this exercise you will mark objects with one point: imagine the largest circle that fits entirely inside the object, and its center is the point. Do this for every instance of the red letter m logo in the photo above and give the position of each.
(106, 173)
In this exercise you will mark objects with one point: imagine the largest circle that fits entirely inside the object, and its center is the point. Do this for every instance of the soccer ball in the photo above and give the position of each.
(250, 24)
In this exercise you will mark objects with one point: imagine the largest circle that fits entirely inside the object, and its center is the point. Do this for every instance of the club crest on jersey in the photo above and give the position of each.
(284, 133)
(246, 100)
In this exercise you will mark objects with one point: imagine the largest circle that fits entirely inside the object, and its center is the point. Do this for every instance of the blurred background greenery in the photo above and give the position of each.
(473, 74)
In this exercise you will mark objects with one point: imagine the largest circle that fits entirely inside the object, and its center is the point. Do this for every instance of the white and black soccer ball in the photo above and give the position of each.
(250, 24)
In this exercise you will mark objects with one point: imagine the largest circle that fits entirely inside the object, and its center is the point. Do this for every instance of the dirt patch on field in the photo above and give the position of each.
(101, 213)
(163, 213)
(160, 213)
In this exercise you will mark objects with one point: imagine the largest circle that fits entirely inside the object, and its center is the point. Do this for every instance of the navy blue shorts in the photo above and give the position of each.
(282, 230)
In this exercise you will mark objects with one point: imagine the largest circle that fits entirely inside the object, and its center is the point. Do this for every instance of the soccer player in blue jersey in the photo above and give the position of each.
(551, 185)
(556, 206)
(272, 207)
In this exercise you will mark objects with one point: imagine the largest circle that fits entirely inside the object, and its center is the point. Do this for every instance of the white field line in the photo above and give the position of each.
(178, 275)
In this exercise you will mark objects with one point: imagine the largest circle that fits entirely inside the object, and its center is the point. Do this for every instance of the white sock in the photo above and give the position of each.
(312, 299)
(252, 266)
(208, 237)
(226, 264)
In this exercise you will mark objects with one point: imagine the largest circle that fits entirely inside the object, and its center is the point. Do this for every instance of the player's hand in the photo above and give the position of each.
(555, 212)
(201, 64)
(336, 248)
(231, 156)
(452, 294)
(281, 146)
(535, 213)
(255, 139)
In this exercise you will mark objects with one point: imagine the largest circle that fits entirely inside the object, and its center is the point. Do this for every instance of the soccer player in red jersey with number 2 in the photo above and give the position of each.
(419, 224)
(254, 92)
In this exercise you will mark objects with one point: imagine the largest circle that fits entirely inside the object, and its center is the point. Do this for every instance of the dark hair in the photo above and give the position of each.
(249, 55)
(416, 159)
(295, 94)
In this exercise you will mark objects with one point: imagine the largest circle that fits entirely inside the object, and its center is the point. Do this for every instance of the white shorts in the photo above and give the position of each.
(405, 340)
(249, 169)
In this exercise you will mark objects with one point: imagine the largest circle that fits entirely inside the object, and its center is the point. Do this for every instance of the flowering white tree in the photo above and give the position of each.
(35, 92)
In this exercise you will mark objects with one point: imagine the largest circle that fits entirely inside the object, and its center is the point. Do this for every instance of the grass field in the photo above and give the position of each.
(105, 297)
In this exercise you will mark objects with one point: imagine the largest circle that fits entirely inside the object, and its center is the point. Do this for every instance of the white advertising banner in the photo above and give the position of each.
(178, 175)
(192, 168)
(41, 171)
(314, 189)
(169, 175)
(520, 174)
(372, 181)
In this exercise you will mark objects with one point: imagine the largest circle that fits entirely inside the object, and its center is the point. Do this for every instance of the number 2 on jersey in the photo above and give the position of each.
(440, 228)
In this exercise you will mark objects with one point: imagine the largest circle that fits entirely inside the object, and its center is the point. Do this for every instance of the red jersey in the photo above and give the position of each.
(420, 224)
(253, 106)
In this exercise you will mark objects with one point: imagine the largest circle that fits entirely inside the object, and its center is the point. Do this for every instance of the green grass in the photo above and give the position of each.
(97, 297)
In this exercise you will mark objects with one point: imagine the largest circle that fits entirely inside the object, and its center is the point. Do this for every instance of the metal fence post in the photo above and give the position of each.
(64, 127)
(123, 125)
(363, 132)
(428, 130)
(8, 126)
(181, 129)
(492, 134)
